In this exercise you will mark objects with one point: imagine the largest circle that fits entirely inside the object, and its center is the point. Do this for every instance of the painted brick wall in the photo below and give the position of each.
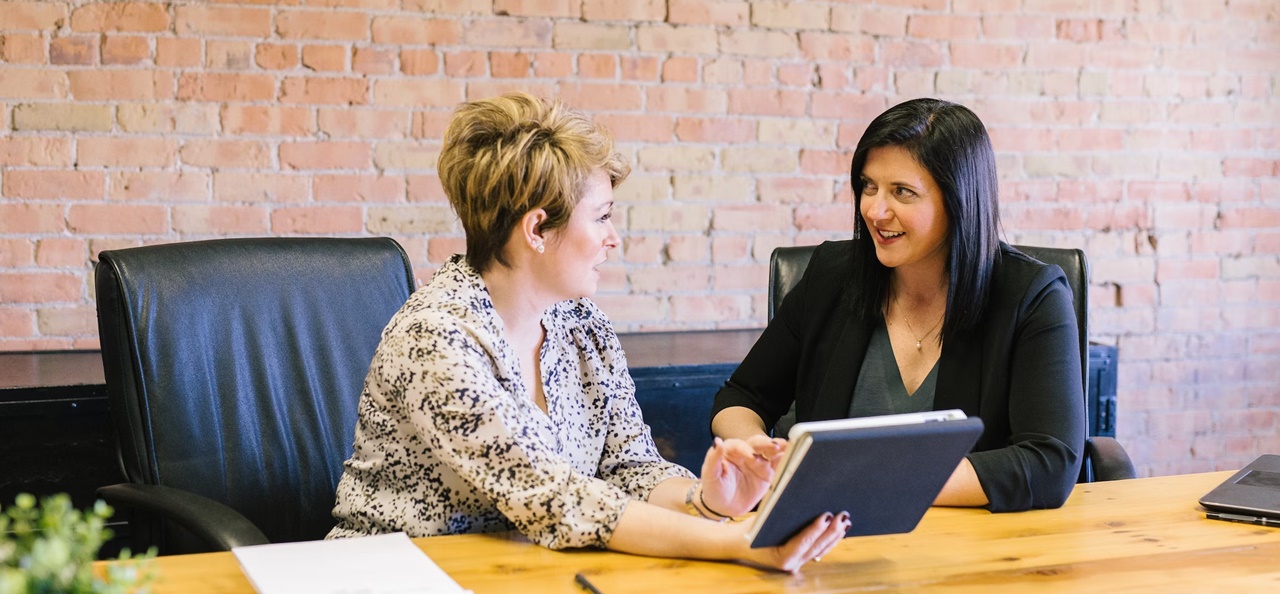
(1145, 131)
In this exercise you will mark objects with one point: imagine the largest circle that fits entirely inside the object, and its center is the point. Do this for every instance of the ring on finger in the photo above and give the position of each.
(817, 559)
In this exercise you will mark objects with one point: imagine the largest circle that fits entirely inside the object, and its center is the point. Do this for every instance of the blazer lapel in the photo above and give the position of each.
(836, 392)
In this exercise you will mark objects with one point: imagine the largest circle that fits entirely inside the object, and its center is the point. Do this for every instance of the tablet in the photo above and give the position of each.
(885, 471)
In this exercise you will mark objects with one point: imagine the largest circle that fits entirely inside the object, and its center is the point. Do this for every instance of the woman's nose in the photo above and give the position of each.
(612, 240)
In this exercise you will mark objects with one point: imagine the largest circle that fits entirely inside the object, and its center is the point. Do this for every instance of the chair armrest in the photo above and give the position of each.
(211, 521)
(1110, 461)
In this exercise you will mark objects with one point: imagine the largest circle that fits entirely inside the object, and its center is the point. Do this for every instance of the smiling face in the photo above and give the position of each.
(902, 207)
(575, 250)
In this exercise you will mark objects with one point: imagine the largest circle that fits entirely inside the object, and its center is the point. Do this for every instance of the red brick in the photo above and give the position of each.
(314, 24)
(275, 56)
(325, 155)
(523, 34)
(577, 35)
(643, 68)
(770, 44)
(634, 11)
(846, 105)
(33, 84)
(544, 8)
(226, 87)
(713, 12)
(188, 118)
(902, 54)
(234, 186)
(159, 186)
(31, 218)
(406, 155)
(943, 26)
(22, 49)
(638, 127)
(225, 153)
(1246, 217)
(120, 16)
(553, 65)
(317, 220)
(16, 322)
(222, 21)
(54, 184)
(670, 278)
(228, 55)
(776, 190)
(79, 50)
(676, 40)
(419, 62)
(40, 287)
(719, 308)
(16, 253)
(32, 16)
(177, 53)
(837, 47)
(350, 123)
(429, 124)
(125, 49)
(359, 188)
(268, 120)
(99, 151)
(325, 58)
(325, 91)
(680, 69)
(404, 30)
(631, 308)
(597, 66)
(425, 188)
(203, 219)
(35, 151)
(466, 63)
(372, 61)
(117, 219)
(510, 64)
(62, 252)
(121, 85)
(752, 217)
(790, 15)
(767, 102)
(681, 99)
(602, 96)
(67, 321)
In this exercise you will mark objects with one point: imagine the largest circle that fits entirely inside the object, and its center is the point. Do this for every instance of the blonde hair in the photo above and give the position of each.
(506, 156)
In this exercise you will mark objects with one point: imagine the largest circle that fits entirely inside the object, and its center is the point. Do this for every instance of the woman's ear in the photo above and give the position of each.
(531, 229)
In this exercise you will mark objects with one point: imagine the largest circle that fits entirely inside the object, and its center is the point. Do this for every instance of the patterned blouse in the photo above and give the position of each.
(449, 441)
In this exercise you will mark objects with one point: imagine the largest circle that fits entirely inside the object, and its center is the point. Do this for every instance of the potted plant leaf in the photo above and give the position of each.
(51, 547)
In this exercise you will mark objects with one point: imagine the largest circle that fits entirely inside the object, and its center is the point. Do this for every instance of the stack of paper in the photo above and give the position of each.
(383, 564)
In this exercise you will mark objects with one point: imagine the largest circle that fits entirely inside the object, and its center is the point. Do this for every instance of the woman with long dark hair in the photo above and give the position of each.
(926, 309)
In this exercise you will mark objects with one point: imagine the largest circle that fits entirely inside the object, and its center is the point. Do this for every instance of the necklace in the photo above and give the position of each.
(919, 347)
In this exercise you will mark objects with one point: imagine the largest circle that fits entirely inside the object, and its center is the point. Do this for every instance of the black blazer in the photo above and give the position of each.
(1019, 371)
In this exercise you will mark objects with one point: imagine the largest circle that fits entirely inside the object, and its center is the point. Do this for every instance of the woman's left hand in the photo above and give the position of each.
(736, 473)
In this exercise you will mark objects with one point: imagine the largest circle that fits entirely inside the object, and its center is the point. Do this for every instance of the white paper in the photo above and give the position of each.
(382, 564)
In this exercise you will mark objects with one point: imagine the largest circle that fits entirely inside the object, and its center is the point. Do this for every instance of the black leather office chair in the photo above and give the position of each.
(233, 371)
(1104, 458)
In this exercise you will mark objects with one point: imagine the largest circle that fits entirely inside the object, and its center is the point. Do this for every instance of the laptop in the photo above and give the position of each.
(1251, 495)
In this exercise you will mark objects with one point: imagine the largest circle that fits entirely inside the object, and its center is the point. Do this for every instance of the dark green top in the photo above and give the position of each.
(880, 389)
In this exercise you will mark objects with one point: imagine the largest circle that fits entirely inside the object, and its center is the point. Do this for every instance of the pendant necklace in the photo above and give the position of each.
(919, 347)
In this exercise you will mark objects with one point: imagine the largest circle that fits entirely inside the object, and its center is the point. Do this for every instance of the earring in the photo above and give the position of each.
(539, 248)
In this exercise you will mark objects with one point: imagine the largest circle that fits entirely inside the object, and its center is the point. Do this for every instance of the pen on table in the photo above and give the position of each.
(1242, 519)
(586, 584)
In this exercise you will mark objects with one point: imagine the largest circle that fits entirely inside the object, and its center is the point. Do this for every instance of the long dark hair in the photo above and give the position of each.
(951, 143)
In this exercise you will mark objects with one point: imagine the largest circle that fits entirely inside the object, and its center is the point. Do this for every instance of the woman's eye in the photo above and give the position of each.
(607, 216)
(905, 193)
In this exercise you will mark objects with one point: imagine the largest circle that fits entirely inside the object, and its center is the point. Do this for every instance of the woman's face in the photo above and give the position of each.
(903, 209)
(577, 249)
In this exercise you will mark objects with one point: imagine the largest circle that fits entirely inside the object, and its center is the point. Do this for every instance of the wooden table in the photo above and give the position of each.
(1145, 535)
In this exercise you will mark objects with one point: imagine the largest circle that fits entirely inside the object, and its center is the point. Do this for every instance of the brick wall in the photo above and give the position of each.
(1144, 131)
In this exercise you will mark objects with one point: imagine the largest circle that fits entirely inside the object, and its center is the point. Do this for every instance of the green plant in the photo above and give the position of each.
(50, 549)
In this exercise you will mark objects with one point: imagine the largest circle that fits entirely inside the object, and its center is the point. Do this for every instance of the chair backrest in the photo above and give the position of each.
(234, 366)
(787, 265)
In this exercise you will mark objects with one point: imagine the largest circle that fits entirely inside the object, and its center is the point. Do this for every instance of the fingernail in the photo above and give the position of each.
(826, 518)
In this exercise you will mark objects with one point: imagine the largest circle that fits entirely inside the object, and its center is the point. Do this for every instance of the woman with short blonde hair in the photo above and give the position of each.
(499, 397)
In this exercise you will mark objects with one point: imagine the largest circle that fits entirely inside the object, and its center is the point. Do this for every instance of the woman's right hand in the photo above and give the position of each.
(816, 540)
